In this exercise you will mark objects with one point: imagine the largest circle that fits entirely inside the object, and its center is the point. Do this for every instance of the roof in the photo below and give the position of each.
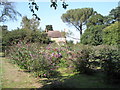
(54, 34)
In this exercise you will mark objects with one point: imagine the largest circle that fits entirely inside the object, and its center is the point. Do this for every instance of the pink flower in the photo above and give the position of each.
(31, 55)
(44, 75)
(53, 54)
(59, 55)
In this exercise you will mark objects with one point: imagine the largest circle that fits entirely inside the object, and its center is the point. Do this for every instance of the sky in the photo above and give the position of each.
(50, 16)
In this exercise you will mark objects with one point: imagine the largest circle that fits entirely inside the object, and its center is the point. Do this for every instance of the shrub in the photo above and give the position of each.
(82, 61)
(110, 58)
(35, 59)
(93, 35)
(111, 34)
(44, 59)
(78, 59)
(15, 36)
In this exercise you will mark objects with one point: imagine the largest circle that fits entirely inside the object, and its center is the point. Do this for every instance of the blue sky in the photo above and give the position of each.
(49, 16)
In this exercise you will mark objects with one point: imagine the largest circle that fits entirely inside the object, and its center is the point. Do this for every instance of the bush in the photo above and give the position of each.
(35, 59)
(77, 58)
(44, 60)
(14, 36)
(82, 60)
(93, 35)
(111, 34)
(110, 58)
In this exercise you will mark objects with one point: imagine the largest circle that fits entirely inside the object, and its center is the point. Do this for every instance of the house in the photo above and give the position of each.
(56, 36)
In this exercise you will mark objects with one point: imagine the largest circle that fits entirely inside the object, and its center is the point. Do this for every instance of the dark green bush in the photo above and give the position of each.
(15, 36)
(110, 58)
(83, 64)
(93, 35)
(111, 34)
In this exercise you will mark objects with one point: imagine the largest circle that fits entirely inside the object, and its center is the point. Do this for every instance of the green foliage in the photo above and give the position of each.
(102, 34)
(49, 28)
(69, 42)
(77, 17)
(7, 11)
(107, 58)
(111, 34)
(96, 19)
(110, 58)
(82, 63)
(30, 24)
(28, 33)
(44, 60)
(38, 36)
(9, 37)
(115, 14)
(36, 59)
(14, 36)
(93, 35)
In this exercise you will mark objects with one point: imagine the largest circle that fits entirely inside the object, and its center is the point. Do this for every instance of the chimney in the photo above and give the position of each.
(46, 30)
(4, 27)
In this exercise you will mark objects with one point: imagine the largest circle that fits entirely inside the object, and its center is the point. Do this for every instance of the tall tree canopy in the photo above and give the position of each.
(77, 17)
(7, 11)
(93, 35)
(30, 24)
(111, 34)
(115, 13)
(96, 19)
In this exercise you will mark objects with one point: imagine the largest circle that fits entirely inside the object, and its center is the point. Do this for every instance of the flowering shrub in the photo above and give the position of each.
(80, 59)
(45, 60)
(35, 59)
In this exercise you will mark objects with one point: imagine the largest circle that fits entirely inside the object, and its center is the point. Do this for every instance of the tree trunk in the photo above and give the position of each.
(80, 30)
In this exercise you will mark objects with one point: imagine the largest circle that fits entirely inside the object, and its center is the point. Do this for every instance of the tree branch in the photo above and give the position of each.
(75, 26)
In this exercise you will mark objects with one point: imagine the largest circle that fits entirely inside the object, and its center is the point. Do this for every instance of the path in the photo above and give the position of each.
(13, 78)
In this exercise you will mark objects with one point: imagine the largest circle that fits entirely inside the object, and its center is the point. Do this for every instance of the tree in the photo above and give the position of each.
(77, 17)
(96, 19)
(111, 34)
(34, 24)
(14, 36)
(31, 27)
(30, 24)
(7, 11)
(25, 22)
(93, 35)
(49, 28)
(115, 14)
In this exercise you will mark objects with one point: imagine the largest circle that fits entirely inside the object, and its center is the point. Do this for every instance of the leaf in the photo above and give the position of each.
(38, 18)
(33, 3)
(51, 5)
(32, 10)
(36, 7)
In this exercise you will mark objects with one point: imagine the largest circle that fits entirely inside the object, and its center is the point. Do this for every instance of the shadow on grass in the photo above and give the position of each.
(79, 81)
(2, 54)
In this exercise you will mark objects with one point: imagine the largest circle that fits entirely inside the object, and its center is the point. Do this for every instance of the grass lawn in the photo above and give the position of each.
(11, 77)
(68, 80)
